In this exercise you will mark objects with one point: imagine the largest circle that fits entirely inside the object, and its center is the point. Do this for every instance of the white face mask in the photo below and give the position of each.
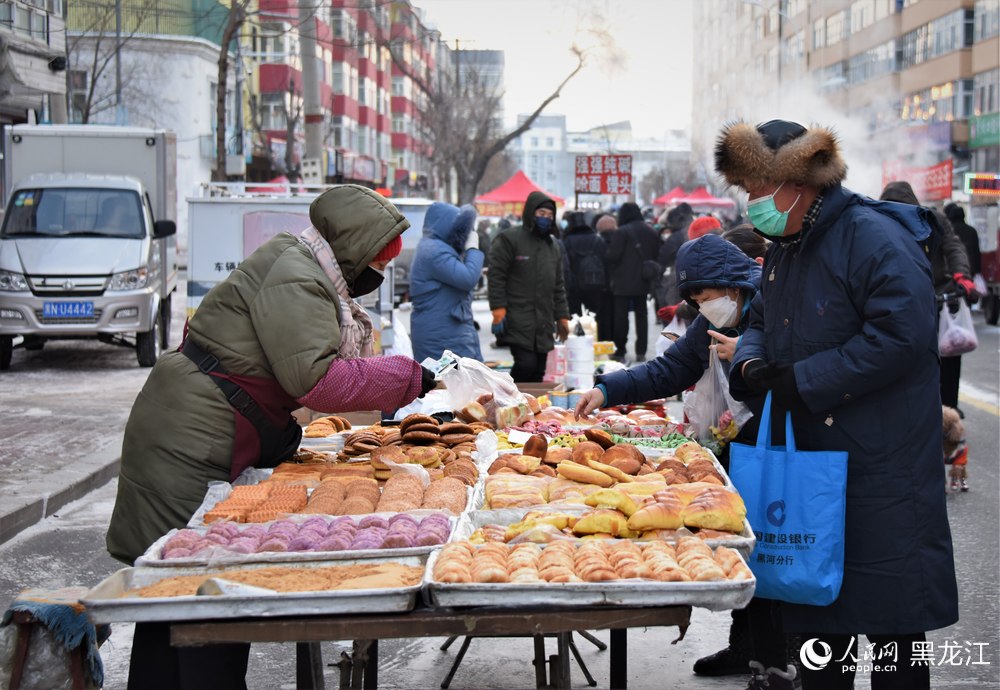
(722, 312)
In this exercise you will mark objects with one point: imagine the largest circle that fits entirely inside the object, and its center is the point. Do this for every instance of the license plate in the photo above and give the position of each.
(67, 310)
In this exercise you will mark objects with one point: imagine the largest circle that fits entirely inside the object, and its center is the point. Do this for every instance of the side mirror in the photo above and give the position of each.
(164, 228)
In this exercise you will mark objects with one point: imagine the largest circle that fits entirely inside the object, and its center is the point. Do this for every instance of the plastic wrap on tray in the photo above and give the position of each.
(715, 595)
(301, 538)
(548, 529)
(109, 602)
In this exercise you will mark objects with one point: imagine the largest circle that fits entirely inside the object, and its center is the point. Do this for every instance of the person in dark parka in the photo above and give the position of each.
(527, 292)
(634, 242)
(446, 268)
(585, 257)
(968, 234)
(843, 333)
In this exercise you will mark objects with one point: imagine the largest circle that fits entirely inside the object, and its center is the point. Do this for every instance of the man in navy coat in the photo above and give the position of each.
(843, 333)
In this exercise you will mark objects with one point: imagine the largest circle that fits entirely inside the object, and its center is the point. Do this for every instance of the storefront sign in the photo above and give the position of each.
(603, 174)
(982, 184)
(984, 130)
(931, 183)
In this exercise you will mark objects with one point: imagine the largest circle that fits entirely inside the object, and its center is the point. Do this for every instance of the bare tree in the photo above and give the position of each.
(235, 18)
(460, 121)
(93, 48)
(653, 183)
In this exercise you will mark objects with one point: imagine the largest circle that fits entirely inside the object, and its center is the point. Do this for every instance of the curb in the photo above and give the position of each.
(13, 523)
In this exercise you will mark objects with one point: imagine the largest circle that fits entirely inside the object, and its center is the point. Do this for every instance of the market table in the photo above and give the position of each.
(366, 631)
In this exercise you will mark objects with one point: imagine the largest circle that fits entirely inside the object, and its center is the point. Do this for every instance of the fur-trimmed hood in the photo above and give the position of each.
(777, 152)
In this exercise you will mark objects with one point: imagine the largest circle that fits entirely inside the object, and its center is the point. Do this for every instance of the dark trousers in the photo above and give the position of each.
(951, 372)
(637, 304)
(155, 665)
(898, 674)
(606, 317)
(529, 366)
(591, 299)
(767, 637)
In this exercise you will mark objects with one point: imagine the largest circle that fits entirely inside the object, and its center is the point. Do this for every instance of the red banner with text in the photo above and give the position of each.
(604, 174)
(931, 183)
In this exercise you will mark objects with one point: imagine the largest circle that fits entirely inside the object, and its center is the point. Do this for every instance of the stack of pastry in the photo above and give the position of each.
(361, 443)
(240, 501)
(696, 557)
(308, 455)
(402, 492)
(326, 426)
(293, 473)
(344, 471)
(325, 499)
(448, 494)
(360, 497)
(515, 491)
(457, 433)
(283, 499)
(393, 453)
(420, 429)
(462, 469)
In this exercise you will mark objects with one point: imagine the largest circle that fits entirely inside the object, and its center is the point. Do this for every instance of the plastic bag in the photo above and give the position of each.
(956, 334)
(713, 413)
(670, 334)
(472, 382)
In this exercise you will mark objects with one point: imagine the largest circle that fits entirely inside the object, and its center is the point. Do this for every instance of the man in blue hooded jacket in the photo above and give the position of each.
(446, 267)
(843, 333)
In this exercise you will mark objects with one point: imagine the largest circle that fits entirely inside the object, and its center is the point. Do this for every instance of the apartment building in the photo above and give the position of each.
(32, 61)
(918, 80)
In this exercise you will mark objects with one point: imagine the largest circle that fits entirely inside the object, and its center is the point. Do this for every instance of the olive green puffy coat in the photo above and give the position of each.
(276, 316)
(526, 278)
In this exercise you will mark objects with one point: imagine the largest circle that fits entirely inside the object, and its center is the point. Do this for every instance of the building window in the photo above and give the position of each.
(772, 60)
(883, 8)
(862, 14)
(943, 35)
(773, 19)
(272, 111)
(819, 34)
(986, 87)
(758, 31)
(834, 28)
(987, 19)
(943, 103)
(534, 143)
(549, 142)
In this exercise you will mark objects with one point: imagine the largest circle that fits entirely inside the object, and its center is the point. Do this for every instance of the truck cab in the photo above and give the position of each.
(85, 255)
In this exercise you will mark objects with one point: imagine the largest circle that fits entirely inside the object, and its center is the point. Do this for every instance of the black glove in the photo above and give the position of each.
(754, 375)
(780, 380)
(427, 382)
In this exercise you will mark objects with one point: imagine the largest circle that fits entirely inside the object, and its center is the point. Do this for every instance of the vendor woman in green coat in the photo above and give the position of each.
(282, 331)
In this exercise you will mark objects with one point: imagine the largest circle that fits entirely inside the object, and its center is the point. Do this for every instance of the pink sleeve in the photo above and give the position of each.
(370, 383)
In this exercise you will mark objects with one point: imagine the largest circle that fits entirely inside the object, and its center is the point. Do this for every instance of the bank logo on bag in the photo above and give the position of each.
(813, 660)
(776, 513)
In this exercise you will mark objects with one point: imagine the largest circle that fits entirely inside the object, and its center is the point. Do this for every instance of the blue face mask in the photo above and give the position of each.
(543, 224)
(766, 217)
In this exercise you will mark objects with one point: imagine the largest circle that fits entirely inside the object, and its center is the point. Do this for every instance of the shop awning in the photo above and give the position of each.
(510, 196)
(669, 197)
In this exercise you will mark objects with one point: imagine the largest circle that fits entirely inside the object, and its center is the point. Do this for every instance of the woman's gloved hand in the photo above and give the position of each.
(754, 375)
(499, 326)
(589, 402)
(967, 286)
(427, 382)
(472, 242)
(784, 389)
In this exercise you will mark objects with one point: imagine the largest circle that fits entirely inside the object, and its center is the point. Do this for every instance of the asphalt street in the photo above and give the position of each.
(64, 412)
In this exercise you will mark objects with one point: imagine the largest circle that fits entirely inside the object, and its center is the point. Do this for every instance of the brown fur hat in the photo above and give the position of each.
(952, 429)
(778, 151)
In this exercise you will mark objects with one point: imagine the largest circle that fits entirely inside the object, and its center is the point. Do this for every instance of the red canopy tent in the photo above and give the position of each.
(510, 196)
(669, 197)
(701, 197)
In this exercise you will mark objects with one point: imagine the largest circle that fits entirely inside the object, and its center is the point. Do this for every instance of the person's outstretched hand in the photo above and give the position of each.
(589, 402)
(562, 329)
(427, 382)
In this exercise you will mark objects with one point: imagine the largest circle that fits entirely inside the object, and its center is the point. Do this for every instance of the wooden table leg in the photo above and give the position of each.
(560, 672)
(541, 676)
(25, 624)
(619, 659)
(309, 666)
(371, 666)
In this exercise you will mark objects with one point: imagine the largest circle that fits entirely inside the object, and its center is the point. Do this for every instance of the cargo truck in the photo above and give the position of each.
(88, 241)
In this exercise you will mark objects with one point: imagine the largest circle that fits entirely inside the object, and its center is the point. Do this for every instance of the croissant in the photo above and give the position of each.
(666, 515)
(601, 521)
(716, 508)
(613, 499)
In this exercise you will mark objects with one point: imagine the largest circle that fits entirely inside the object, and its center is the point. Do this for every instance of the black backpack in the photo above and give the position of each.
(587, 268)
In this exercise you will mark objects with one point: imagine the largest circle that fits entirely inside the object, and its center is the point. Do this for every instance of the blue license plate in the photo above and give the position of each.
(67, 310)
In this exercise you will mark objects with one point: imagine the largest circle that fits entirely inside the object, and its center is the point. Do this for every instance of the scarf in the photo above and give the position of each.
(355, 324)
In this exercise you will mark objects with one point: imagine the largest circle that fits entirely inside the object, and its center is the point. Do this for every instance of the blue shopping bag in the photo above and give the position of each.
(795, 503)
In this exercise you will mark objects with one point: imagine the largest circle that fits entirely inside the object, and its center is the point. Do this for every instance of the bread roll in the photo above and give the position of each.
(536, 446)
(612, 472)
(613, 499)
(586, 475)
(586, 451)
(666, 515)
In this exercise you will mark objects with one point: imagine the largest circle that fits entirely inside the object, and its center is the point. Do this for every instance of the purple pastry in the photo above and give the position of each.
(182, 539)
(243, 546)
(349, 530)
(283, 527)
(313, 531)
(177, 552)
(337, 543)
(373, 521)
(217, 538)
(254, 532)
(227, 529)
(430, 538)
(304, 543)
(401, 517)
(315, 522)
(398, 541)
(273, 544)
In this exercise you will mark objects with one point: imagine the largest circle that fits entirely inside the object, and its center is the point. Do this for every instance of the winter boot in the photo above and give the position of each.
(964, 484)
(770, 678)
(734, 658)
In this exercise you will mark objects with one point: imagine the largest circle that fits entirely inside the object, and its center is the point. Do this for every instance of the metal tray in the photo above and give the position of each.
(743, 542)
(714, 596)
(106, 604)
(153, 557)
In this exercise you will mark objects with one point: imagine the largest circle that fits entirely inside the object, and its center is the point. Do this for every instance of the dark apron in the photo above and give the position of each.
(266, 433)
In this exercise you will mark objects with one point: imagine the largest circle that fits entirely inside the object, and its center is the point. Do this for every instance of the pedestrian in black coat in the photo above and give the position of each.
(606, 226)
(968, 234)
(633, 243)
(678, 220)
(585, 254)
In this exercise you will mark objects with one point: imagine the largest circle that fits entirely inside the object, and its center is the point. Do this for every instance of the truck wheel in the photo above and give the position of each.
(6, 351)
(147, 345)
(165, 317)
(991, 309)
